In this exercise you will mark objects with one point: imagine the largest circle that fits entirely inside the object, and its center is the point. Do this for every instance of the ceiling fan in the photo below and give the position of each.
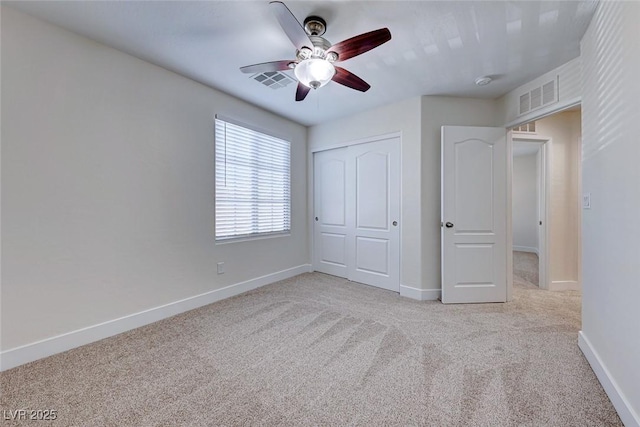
(315, 55)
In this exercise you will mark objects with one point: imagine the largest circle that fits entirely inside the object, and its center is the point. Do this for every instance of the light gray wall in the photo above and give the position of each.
(611, 174)
(525, 202)
(108, 185)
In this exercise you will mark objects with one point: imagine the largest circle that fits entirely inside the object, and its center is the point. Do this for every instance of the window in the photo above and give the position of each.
(252, 182)
(527, 127)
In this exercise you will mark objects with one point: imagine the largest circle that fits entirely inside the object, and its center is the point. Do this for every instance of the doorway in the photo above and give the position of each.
(559, 209)
(529, 210)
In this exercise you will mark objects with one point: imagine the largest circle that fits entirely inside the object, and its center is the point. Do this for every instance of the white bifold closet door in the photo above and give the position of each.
(357, 212)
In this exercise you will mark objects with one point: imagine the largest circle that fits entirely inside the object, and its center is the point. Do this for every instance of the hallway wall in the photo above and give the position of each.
(525, 203)
(611, 230)
(564, 129)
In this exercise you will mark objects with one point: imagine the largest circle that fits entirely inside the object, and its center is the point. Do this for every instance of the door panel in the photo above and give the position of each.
(474, 265)
(372, 192)
(330, 222)
(333, 248)
(474, 188)
(332, 192)
(474, 215)
(372, 255)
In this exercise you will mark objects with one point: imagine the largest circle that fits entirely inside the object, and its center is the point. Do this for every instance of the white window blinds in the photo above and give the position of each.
(252, 182)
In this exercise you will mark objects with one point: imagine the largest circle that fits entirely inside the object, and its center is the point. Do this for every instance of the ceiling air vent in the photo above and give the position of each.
(273, 79)
(538, 97)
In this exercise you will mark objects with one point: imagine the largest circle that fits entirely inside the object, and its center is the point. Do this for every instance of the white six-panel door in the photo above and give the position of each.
(357, 213)
(474, 214)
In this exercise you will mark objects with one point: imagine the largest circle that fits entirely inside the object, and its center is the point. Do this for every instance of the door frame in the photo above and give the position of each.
(311, 189)
(544, 180)
(569, 104)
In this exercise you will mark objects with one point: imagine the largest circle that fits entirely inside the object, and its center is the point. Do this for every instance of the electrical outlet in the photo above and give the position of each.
(221, 268)
(586, 201)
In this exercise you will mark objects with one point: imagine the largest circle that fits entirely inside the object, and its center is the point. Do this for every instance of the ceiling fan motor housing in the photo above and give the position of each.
(315, 26)
(320, 47)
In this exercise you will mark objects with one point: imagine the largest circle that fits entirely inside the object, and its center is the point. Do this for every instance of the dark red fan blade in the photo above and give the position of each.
(267, 66)
(349, 79)
(302, 91)
(294, 30)
(360, 44)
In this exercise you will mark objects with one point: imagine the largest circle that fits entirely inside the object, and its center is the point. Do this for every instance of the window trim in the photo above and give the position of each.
(253, 236)
(254, 128)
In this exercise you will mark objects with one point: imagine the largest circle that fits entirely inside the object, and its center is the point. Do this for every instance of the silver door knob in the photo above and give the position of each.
(394, 223)
(448, 225)
(316, 218)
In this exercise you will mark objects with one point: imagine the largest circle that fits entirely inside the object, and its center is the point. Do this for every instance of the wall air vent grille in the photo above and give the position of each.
(536, 98)
(549, 93)
(273, 79)
(525, 103)
(539, 97)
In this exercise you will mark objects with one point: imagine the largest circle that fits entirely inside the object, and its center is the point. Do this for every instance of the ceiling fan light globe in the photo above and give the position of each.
(314, 72)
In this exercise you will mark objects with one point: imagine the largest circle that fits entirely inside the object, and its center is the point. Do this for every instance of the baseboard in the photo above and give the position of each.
(420, 294)
(50, 346)
(628, 416)
(526, 249)
(564, 285)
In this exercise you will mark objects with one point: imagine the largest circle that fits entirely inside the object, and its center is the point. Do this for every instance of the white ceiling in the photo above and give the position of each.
(437, 48)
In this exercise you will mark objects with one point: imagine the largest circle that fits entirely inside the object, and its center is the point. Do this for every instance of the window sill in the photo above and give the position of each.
(251, 238)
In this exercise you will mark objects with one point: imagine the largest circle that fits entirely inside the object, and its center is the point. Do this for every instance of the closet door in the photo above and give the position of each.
(373, 213)
(357, 213)
(330, 206)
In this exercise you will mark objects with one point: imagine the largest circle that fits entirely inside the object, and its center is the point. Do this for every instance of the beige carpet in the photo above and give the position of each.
(317, 350)
(525, 268)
